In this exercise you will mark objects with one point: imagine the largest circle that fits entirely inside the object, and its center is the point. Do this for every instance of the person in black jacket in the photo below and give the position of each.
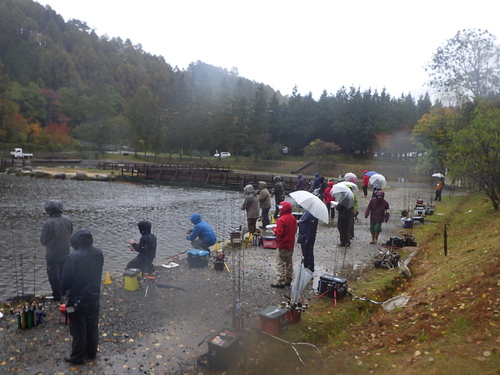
(55, 236)
(146, 249)
(308, 226)
(81, 277)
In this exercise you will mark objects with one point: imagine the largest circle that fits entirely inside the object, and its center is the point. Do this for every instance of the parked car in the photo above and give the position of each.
(223, 154)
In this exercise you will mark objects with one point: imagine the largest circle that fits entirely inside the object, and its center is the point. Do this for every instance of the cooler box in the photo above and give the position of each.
(408, 223)
(130, 279)
(331, 286)
(269, 242)
(197, 258)
(222, 348)
(273, 320)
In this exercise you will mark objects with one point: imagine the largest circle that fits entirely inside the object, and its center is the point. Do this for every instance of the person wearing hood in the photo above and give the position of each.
(286, 228)
(308, 226)
(55, 236)
(146, 249)
(81, 277)
(328, 199)
(251, 206)
(279, 195)
(301, 183)
(264, 203)
(378, 210)
(202, 235)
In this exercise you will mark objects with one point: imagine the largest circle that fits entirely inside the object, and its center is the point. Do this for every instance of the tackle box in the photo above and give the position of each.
(222, 348)
(331, 286)
(131, 279)
(197, 258)
(269, 242)
(273, 320)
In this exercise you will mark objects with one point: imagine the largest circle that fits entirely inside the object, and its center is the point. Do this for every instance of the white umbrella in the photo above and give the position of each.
(438, 175)
(343, 195)
(301, 278)
(378, 181)
(311, 203)
(349, 175)
(349, 184)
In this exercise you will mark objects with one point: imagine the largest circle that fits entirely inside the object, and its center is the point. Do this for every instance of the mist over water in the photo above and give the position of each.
(111, 211)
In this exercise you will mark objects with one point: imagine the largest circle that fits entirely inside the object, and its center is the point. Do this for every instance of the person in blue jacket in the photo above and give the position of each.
(81, 277)
(202, 235)
(308, 226)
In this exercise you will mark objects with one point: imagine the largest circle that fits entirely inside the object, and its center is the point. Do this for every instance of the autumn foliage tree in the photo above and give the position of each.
(321, 149)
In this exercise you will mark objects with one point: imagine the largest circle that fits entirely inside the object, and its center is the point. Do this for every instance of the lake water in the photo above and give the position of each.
(111, 211)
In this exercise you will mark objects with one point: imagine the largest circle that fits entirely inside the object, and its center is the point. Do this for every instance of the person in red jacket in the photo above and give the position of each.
(366, 181)
(328, 199)
(286, 228)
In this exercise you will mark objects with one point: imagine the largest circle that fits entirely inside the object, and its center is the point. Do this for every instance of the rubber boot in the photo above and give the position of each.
(376, 236)
(373, 241)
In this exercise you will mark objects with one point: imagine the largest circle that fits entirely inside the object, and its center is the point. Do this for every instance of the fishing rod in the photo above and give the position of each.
(15, 259)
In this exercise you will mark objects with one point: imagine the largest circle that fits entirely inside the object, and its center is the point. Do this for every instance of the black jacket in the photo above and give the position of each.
(147, 244)
(82, 272)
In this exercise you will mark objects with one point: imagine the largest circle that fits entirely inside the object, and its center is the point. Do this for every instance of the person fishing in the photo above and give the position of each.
(308, 226)
(202, 236)
(146, 249)
(55, 236)
(81, 277)
(285, 230)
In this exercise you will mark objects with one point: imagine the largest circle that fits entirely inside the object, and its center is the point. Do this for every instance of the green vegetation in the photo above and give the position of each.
(450, 321)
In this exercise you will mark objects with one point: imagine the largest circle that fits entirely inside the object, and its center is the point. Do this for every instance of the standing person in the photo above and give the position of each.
(353, 216)
(251, 206)
(315, 185)
(279, 195)
(202, 235)
(344, 218)
(264, 203)
(322, 187)
(328, 199)
(81, 277)
(366, 181)
(146, 249)
(308, 226)
(439, 189)
(286, 228)
(378, 210)
(56, 236)
(301, 183)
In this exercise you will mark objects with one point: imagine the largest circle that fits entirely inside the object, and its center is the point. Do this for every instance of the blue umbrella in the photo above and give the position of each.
(371, 173)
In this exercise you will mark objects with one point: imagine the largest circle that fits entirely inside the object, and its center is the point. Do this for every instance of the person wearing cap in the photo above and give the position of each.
(251, 206)
(279, 195)
(55, 236)
(264, 203)
(81, 277)
(286, 228)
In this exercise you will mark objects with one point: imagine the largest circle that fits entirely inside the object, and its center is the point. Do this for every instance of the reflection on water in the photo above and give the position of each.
(111, 211)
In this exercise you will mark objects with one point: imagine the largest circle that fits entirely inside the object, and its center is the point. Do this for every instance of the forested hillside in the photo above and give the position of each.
(60, 82)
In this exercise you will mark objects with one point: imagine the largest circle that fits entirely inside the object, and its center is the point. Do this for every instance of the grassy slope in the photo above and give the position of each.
(450, 324)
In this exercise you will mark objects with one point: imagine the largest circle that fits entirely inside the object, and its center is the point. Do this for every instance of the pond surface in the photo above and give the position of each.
(111, 211)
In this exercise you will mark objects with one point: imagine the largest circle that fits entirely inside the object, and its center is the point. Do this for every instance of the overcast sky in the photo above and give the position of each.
(316, 45)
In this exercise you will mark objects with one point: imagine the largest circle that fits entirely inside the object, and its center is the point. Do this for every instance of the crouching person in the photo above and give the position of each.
(81, 277)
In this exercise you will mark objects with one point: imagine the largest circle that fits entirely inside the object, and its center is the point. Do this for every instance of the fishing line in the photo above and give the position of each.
(15, 259)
